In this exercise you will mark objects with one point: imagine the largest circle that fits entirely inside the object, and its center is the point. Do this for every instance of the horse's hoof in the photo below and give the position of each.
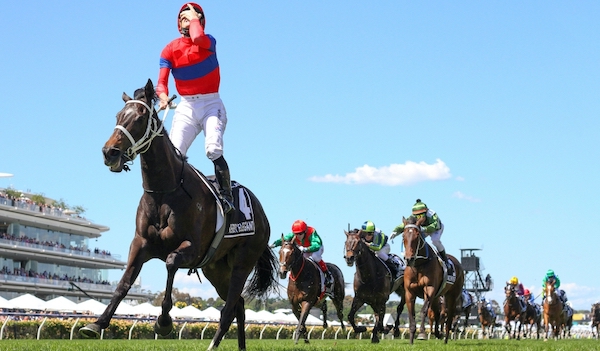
(90, 331)
(306, 341)
(360, 329)
(421, 336)
(163, 330)
(375, 340)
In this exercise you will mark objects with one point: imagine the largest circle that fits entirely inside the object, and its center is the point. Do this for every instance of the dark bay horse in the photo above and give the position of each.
(424, 277)
(554, 315)
(595, 313)
(176, 222)
(486, 319)
(512, 312)
(304, 286)
(372, 284)
(533, 317)
(462, 308)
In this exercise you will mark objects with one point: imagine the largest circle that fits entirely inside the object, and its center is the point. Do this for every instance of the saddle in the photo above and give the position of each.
(324, 290)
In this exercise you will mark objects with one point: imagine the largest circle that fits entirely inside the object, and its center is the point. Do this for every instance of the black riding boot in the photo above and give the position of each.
(392, 266)
(224, 180)
(445, 259)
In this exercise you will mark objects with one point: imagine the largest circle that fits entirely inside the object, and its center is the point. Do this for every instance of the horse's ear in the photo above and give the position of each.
(282, 240)
(345, 232)
(404, 220)
(149, 89)
(126, 97)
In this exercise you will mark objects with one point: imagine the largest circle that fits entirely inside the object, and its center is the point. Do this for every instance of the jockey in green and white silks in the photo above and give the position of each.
(432, 227)
(561, 293)
(378, 243)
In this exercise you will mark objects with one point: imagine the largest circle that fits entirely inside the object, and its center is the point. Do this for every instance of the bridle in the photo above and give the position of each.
(420, 243)
(353, 249)
(153, 129)
(291, 265)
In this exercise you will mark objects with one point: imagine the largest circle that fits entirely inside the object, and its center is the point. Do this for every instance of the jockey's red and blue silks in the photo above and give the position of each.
(193, 62)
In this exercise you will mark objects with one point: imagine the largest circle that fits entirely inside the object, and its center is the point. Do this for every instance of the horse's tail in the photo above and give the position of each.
(264, 279)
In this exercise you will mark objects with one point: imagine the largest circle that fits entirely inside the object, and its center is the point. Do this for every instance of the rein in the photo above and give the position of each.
(295, 277)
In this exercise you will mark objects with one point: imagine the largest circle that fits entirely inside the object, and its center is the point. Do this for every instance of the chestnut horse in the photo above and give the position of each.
(176, 221)
(595, 313)
(372, 284)
(304, 286)
(554, 315)
(486, 318)
(424, 277)
(512, 312)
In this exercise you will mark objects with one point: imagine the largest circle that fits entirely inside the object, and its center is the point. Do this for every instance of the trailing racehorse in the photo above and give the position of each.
(554, 315)
(180, 221)
(513, 312)
(595, 313)
(533, 317)
(373, 284)
(305, 286)
(487, 318)
(425, 276)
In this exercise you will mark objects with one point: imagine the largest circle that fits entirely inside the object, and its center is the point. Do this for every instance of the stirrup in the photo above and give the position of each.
(227, 205)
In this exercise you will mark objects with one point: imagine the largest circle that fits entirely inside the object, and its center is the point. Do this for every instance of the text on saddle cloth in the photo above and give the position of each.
(241, 221)
(322, 278)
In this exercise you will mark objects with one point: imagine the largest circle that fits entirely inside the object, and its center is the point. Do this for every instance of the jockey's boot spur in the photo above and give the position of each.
(224, 180)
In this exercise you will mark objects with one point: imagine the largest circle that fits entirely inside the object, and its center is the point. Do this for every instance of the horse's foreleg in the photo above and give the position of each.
(424, 313)
(301, 329)
(412, 325)
(134, 265)
(324, 311)
(399, 309)
(339, 307)
(357, 303)
(378, 327)
(185, 251)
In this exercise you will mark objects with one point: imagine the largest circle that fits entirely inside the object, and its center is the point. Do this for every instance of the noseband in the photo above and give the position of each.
(153, 129)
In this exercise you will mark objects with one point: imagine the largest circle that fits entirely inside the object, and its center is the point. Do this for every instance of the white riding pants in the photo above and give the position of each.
(316, 256)
(197, 113)
(384, 252)
(435, 238)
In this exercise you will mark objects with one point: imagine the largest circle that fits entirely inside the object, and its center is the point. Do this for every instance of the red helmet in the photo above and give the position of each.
(299, 226)
(185, 7)
(526, 292)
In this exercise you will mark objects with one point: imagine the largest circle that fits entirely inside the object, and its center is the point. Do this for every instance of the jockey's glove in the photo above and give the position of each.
(393, 235)
(272, 246)
(423, 230)
(304, 249)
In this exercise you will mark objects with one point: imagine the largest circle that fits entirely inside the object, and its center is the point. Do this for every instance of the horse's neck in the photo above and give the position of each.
(300, 264)
(161, 167)
(366, 263)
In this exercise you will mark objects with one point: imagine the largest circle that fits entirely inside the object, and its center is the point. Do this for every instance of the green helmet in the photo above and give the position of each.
(419, 207)
(550, 273)
(368, 227)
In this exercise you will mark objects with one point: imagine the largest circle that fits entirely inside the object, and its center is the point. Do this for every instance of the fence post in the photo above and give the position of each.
(131, 329)
(262, 331)
(40, 328)
(72, 329)
(279, 331)
(311, 329)
(336, 333)
(4, 325)
(181, 330)
(202, 334)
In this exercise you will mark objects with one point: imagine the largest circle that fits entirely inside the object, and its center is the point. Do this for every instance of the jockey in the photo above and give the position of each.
(310, 244)
(378, 243)
(432, 227)
(519, 290)
(488, 306)
(561, 293)
(192, 58)
(528, 297)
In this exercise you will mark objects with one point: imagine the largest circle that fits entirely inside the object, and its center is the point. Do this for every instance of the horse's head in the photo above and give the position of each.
(352, 245)
(287, 255)
(412, 238)
(550, 290)
(134, 131)
(509, 290)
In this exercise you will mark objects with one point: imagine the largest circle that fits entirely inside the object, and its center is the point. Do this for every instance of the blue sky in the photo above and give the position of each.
(339, 112)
